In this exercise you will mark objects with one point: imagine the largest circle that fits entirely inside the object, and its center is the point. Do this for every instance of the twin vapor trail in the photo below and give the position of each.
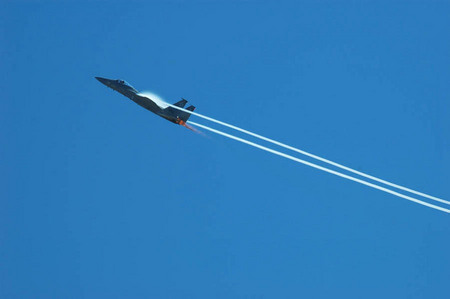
(369, 184)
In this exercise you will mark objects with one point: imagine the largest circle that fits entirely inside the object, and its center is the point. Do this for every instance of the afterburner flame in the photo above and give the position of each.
(184, 124)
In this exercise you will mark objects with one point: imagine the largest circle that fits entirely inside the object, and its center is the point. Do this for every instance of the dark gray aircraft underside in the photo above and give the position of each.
(172, 114)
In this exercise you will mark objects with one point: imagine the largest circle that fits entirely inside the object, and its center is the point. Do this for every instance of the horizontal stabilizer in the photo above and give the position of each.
(190, 108)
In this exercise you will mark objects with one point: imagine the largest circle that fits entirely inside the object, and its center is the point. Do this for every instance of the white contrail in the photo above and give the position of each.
(321, 168)
(313, 156)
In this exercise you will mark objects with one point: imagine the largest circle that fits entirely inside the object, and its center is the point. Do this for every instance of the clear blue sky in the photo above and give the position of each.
(101, 198)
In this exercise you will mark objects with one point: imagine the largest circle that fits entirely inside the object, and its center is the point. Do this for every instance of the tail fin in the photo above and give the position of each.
(180, 103)
(185, 115)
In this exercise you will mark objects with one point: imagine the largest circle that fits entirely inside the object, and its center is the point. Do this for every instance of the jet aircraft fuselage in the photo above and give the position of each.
(154, 105)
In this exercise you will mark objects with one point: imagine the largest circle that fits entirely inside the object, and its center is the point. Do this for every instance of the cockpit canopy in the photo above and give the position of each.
(122, 84)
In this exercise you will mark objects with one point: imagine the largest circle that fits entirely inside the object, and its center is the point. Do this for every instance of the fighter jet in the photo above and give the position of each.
(154, 105)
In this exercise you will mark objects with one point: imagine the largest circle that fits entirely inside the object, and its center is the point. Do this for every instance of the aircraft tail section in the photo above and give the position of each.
(180, 103)
(185, 115)
(181, 115)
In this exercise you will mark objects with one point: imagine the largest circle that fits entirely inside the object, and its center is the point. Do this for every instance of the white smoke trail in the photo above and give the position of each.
(320, 167)
(314, 156)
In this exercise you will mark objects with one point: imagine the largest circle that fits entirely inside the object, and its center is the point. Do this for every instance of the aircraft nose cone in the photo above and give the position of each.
(102, 80)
